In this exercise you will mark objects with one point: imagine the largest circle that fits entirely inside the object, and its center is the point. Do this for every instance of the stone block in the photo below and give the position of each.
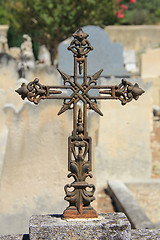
(110, 226)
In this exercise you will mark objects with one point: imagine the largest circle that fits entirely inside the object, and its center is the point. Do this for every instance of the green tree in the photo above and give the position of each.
(3, 14)
(143, 12)
(51, 21)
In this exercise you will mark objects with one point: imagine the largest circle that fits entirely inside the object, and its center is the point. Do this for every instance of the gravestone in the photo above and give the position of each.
(106, 55)
(44, 56)
(27, 56)
(150, 71)
(130, 61)
(150, 62)
(3, 38)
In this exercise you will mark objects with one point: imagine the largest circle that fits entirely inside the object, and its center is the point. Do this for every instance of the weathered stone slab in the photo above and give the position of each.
(125, 202)
(110, 226)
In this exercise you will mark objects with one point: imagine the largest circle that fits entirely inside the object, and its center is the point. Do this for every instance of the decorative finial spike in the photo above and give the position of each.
(64, 75)
(97, 74)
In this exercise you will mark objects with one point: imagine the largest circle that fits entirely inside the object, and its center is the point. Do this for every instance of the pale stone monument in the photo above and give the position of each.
(3, 38)
(130, 61)
(27, 56)
(150, 62)
(150, 71)
(44, 56)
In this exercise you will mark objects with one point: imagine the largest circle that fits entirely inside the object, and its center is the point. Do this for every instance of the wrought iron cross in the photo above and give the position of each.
(79, 143)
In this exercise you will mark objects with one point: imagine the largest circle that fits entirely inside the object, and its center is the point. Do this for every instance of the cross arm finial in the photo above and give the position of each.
(125, 91)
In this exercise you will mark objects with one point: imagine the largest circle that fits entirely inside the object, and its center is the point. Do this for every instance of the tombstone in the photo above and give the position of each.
(150, 62)
(130, 61)
(150, 71)
(27, 56)
(44, 56)
(3, 38)
(106, 55)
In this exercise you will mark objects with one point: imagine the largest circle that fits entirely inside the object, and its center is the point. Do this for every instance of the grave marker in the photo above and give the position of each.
(79, 143)
(106, 55)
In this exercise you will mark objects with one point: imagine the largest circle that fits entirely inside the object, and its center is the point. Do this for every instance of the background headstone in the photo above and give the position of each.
(130, 61)
(150, 63)
(3, 38)
(106, 55)
(44, 56)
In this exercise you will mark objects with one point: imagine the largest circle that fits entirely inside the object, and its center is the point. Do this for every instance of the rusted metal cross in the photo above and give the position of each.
(79, 143)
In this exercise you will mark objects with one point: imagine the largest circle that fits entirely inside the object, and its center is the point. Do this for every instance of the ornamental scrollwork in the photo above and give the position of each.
(79, 167)
(34, 91)
(80, 46)
(125, 91)
(80, 92)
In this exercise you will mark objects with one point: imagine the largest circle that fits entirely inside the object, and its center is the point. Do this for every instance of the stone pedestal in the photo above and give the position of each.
(110, 226)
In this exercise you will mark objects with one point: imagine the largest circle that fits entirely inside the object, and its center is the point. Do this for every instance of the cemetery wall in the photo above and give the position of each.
(138, 37)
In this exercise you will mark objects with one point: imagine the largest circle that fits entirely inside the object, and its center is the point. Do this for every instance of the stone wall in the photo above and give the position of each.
(138, 38)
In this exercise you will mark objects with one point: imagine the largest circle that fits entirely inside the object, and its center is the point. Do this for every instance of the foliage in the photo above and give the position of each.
(14, 39)
(143, 12)
(51, 21)
(3, 13)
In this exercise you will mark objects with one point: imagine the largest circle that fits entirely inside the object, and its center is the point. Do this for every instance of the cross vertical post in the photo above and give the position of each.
(79, 193)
